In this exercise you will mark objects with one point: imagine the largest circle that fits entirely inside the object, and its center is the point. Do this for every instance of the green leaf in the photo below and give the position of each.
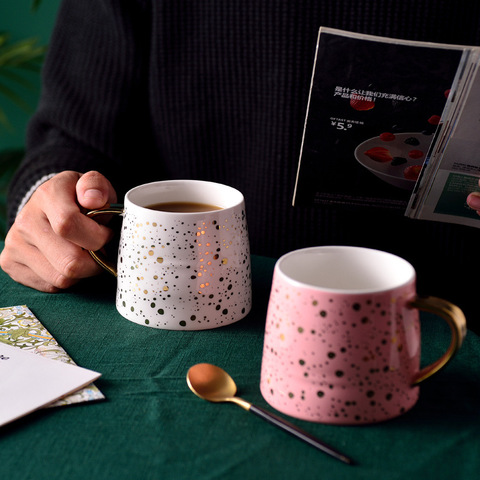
(20, 52)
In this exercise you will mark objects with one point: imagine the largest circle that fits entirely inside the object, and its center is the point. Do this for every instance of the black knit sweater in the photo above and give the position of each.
(144, 90)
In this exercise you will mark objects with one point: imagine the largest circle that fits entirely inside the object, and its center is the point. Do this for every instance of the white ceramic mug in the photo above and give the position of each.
(182, 271)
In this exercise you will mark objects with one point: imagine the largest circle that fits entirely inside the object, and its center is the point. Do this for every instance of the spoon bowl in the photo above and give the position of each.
(211, 382)
(214, 384)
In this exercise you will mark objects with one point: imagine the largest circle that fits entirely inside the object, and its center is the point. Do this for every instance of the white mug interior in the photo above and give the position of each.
(346, 269)
(192, 191)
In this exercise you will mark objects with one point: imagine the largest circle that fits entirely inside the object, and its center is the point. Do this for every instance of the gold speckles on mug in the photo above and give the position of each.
(340, 359)
(194, 272)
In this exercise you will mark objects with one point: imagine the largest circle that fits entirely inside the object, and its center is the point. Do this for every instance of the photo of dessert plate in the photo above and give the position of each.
(395, 158)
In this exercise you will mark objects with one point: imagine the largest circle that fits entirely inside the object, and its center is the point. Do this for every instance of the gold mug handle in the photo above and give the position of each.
(455, 318)
(97, 256)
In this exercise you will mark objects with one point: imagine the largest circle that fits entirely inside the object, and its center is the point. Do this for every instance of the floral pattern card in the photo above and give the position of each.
(20, 328)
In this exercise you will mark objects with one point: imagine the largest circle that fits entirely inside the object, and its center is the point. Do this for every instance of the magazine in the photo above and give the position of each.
(392, 124)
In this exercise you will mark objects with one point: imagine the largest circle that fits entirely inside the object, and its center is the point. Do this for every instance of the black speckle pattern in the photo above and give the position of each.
(337, 358)
(184, 274)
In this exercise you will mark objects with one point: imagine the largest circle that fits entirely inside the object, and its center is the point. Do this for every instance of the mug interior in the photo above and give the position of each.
(346, 269)
(194, 191)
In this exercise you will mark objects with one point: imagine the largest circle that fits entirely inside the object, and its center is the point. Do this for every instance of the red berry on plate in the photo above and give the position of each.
(379, 154)
(415, 154)
(412, 172)
(387, 137)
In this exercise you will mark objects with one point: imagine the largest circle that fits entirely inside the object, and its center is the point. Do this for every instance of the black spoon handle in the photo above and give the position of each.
(299, 433)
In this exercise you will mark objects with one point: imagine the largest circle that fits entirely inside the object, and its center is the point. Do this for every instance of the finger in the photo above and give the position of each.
(473, 201)
(39, 241)
(42, 249)
(49, 281)
(59, 267)
(94, 191)
(61, 216)
(22, 274)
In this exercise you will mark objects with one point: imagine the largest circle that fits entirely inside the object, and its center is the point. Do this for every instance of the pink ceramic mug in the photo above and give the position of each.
(342, 336)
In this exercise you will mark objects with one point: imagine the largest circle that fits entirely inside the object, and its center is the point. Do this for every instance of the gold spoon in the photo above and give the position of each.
(216, 385)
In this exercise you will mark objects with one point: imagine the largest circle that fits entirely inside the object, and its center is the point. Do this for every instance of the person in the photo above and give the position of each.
(147, 90)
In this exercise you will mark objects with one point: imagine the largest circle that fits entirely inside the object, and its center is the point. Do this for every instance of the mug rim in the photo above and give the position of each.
(177, 182)
(410, 273)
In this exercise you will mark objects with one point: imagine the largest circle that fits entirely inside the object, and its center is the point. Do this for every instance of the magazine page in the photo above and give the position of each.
(374, 106)
(452, 168)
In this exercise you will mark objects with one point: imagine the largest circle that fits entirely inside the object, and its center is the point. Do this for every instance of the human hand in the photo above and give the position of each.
(473, 201)
(47, 246)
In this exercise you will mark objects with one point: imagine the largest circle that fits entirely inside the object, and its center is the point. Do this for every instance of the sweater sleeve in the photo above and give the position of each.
(93, 109)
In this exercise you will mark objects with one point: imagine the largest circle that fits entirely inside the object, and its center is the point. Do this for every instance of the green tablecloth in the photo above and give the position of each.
(152, 427)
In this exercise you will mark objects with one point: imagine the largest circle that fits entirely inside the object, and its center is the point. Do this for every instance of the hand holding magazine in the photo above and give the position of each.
(392, 124)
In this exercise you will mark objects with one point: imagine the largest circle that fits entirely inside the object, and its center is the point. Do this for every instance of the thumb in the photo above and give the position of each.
(473, 200)
(94, 191)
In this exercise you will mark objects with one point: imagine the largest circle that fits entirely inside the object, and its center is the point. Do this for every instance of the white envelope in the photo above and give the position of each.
(29, 381)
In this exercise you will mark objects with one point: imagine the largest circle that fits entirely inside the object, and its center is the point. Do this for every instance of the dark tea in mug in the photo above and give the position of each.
(183, 207)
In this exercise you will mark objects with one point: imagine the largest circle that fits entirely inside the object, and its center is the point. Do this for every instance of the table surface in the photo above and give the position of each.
(150, 426)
